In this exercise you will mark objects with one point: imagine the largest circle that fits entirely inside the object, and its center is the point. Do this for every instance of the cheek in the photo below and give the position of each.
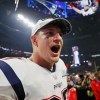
(43, 50)
(42, 46)
(62, 42)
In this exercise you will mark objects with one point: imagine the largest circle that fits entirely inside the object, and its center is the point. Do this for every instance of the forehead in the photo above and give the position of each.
(51, 28)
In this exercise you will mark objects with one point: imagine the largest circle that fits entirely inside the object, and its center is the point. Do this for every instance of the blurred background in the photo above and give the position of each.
(81, 51)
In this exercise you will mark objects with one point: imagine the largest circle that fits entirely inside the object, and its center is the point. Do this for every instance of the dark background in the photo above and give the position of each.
(16, 35)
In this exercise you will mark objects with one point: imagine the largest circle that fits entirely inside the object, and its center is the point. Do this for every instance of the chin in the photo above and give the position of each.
(55, 59)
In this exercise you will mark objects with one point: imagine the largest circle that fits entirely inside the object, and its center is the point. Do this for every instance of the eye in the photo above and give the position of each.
(50, 33)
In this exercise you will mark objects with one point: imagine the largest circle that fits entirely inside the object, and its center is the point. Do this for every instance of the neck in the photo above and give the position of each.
(41, 62)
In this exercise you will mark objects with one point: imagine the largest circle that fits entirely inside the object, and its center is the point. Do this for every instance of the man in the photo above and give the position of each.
(43, 75)
(95, 84)
(88, 8)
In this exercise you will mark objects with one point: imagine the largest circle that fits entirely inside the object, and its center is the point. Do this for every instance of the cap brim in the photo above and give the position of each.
(61, 23)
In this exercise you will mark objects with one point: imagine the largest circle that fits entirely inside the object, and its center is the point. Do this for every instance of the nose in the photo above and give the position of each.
(57, 36)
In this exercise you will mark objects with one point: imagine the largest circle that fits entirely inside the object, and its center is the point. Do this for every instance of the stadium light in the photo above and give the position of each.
(25, 20)
(66, 55)
(21, 17)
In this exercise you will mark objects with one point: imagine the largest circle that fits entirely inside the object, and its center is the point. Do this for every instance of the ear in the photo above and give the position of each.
(34, 40)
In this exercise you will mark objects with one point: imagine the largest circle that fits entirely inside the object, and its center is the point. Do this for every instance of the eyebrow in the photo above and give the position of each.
(51, 29)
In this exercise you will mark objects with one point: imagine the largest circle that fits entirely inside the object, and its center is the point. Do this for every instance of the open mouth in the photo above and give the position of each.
(55, 48)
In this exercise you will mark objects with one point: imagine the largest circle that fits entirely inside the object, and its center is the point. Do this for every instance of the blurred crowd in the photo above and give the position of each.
(9, 52)
(84, 86)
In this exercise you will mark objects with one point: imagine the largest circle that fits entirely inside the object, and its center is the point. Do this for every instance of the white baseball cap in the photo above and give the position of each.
(60, 22)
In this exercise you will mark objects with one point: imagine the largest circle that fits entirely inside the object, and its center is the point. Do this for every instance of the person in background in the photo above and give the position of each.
(42, 76)
(71, 94)
(81, 90)
(95, 84)
(87, 84)
(69, 82)
(87, 9)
